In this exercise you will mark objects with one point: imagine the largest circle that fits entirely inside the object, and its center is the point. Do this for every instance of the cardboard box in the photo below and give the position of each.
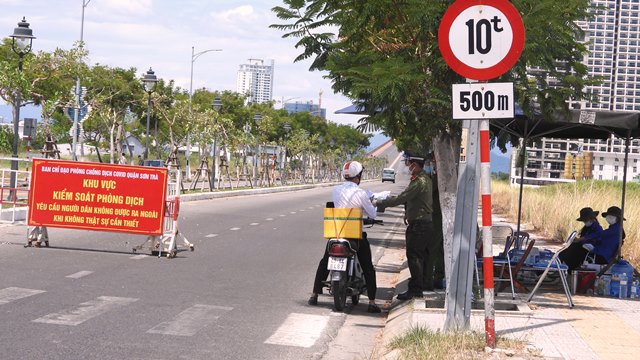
(343, 223)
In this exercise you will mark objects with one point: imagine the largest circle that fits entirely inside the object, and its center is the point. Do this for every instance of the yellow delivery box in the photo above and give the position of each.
(343, 223)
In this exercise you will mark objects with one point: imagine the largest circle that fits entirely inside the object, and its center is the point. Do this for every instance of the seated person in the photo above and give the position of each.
(592, 238)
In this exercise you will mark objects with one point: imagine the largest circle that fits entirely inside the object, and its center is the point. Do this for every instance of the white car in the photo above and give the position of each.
(389, 174)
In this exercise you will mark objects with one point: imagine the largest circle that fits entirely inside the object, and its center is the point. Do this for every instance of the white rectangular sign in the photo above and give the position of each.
(483, 101)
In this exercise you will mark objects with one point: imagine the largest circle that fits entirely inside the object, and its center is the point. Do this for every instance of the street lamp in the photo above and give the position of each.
(256, 119)
(287, 128)
(21, 41)
(217, 104)
(194, 57)
(78, 93)
(149, 80)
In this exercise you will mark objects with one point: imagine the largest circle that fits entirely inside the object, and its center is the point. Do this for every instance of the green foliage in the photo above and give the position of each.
(6, 139)
(385, 56)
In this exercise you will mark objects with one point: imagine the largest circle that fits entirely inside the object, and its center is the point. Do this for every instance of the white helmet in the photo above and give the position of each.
(351, 169)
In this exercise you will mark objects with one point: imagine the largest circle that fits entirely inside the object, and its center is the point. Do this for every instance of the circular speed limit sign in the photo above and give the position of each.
(481, 39)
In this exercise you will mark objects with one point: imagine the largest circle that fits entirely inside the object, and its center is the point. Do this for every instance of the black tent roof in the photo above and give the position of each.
(588, 124)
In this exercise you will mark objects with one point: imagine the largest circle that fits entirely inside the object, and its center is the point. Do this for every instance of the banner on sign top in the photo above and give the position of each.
(94, 196)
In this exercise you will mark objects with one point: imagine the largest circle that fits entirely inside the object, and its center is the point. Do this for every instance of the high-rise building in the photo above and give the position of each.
(614, 54)
(308, 106)
(255, 80)
(613, 36)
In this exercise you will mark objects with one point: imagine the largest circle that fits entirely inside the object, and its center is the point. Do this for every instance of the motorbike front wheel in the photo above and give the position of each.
(339, 290)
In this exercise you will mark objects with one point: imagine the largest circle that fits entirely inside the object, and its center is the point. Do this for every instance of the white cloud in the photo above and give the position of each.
(122, 8)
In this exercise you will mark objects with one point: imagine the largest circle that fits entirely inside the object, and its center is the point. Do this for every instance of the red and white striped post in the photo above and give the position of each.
(487, 246)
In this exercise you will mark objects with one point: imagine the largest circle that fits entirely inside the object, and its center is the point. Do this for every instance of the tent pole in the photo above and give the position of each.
(522, 167)
(627, 143)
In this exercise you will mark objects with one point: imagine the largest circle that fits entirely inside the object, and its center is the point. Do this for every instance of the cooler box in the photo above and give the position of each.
(343, 223)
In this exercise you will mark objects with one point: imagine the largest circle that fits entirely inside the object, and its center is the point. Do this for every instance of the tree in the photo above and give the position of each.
(383, 54)
(112, 93)
(46, 79)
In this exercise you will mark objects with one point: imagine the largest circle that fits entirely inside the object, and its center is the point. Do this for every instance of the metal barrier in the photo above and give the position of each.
(166, 244)
(14, 199)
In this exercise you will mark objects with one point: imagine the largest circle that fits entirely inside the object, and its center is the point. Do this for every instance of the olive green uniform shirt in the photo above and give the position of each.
(417, 198)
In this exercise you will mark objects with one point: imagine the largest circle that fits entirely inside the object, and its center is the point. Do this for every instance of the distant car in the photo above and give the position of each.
(389, 174)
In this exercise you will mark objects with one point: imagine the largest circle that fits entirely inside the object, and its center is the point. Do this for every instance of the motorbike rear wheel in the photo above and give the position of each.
(339, 290)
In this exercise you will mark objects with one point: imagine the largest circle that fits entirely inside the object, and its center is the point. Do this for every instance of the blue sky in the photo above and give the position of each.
(160, 34)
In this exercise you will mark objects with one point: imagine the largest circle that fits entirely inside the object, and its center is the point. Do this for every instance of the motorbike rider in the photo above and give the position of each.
(350, 195)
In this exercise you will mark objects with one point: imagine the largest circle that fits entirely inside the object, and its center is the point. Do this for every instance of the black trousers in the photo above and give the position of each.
(417, 235)
(574, 256)
(364, 256)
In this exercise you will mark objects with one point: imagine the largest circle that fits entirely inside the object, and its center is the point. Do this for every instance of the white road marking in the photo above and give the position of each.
(292, 212)
(79, 274)
(282, 215)
(301, 210)
(254, 224)
(85, 311)
(302, 330)
(138, 257)
(268, 219)
(190, 321)
(10, 294)
(234, 229)
(211, 235)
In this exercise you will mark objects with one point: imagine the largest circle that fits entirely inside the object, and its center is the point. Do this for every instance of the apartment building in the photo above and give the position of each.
(255, 80)
(614, 54)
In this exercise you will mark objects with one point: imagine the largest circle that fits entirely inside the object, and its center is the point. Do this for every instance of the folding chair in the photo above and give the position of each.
(518, 266)
(554, 265)
(503, 259)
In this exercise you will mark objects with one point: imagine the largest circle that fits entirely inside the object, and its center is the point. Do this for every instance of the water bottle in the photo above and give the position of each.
(623, 286)
(599, 286)
(634, 289)
(607, 285)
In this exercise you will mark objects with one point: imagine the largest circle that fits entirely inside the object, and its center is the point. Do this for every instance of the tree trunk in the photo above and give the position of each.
(446, 151)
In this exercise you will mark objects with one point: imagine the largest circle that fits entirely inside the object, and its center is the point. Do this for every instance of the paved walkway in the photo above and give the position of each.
(595, 328)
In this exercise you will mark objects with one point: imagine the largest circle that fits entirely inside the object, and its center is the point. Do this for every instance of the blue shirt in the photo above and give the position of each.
(607, 245)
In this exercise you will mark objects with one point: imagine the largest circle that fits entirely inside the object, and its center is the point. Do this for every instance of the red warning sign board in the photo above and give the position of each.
(94, 196)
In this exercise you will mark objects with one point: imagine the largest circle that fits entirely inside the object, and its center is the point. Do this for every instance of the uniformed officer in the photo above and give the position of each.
(418, 201)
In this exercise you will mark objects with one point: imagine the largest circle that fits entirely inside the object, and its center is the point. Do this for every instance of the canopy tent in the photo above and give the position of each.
(578, 124)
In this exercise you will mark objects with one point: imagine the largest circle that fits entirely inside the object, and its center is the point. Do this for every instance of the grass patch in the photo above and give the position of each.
(425, 344)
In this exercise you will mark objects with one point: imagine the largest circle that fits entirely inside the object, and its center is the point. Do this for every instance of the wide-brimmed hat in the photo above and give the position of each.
(587, 214)
(615, 211)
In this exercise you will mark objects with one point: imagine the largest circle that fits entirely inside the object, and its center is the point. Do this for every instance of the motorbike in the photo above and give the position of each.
(346, 278)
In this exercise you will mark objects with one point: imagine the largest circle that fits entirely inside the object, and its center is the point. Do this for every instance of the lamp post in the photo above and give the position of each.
(149, 80)
(21, 41)
(217, 104)
(78, 93)
(194, 57)
(256, 119)
(287, 128)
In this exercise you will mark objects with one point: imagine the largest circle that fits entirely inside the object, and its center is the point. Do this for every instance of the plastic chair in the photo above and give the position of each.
(521, 239)
(554, 265)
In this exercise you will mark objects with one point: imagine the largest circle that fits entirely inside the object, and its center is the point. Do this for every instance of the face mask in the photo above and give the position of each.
(588, 223)
(611, 219)
(428, 169)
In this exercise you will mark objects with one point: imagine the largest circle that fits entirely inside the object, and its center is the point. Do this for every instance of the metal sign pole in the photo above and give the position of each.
(487, 250)
(459, 288)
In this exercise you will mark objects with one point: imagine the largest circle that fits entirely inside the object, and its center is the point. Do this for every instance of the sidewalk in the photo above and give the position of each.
(596, 328)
